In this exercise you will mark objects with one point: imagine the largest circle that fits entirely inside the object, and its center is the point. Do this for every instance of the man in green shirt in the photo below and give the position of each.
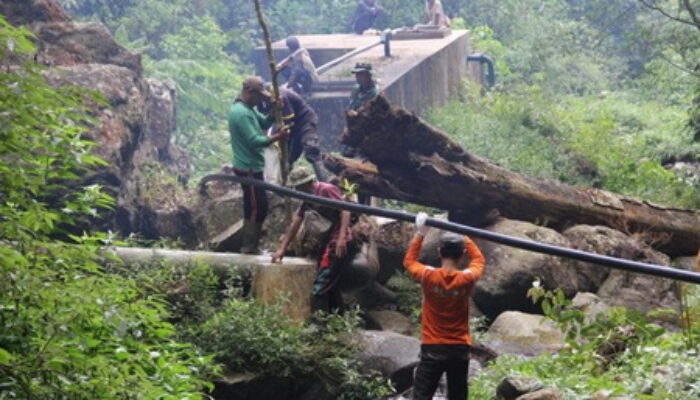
(248, 140)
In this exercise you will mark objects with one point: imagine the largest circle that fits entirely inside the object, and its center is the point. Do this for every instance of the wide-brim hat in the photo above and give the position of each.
(362, 67)
(300, 176)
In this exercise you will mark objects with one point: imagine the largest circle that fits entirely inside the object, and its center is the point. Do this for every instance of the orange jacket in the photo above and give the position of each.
(445, 294)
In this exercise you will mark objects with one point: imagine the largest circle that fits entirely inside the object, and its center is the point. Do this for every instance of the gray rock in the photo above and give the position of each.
(542, 394)
(391, 321)
(590, 304)
(32, 11)
(514, 332)
(72, 43)
(620, 288)
(514, 386)
(252, 387)
(509, 272)
(392, 354)
(392, 239)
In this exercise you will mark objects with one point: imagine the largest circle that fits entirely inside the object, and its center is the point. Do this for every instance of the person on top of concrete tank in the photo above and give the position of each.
(445, 320)
(366, 14)
(434, 14)
(339, 249)
(365, 88)
(248, 141)
(298, 68)
(302, 121)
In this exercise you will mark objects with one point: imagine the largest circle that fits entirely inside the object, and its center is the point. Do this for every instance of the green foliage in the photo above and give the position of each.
(612, 141)
(409, 297)
(618, 352)
(70, 329)
(246, 336)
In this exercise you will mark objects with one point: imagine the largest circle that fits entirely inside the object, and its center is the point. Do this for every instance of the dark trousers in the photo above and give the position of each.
(326, 295)
(254, 198)
(304, 139)
(436, 360)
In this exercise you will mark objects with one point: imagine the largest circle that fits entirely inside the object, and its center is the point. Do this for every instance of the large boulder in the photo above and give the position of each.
(392, 354)
(622, 288)
(24, 12)
(514, 332)
(514, 386)
(392, 239)
(509, 271)
(392, 321)
(73, 43)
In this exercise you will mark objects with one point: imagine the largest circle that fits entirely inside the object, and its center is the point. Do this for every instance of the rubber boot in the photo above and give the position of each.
(252, 232)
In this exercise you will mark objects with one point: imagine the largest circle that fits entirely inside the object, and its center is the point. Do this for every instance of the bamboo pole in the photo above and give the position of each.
(276, 111)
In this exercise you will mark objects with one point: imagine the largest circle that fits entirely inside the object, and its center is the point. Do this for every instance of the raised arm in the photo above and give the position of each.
(476, 258)
(410, 261)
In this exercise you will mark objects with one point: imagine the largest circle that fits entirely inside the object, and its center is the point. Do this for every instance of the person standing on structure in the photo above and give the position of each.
(445, 319)
(339, 249)
(298, 68)
(434, 14)
(366, 13)
(246, 128)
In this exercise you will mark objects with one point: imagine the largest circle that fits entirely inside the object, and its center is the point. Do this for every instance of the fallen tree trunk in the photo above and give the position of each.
(414, 162)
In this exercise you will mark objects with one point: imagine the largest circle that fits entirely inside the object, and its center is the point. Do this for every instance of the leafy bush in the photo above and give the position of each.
(70, 329)
(609, 141)
(246, 336)
(619, 352)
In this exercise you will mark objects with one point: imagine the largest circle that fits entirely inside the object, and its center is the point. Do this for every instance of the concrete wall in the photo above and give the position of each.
(433, 81)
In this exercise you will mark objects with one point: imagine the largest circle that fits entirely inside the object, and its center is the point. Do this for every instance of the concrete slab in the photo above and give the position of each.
(292, 279)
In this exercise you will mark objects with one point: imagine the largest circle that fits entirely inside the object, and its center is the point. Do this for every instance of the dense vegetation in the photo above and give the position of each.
(68, 326)
(77, 325)
(575, 77)
(598, 93)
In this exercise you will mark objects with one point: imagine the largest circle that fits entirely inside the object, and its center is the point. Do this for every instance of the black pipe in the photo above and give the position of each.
(484, 59)
(612, 262)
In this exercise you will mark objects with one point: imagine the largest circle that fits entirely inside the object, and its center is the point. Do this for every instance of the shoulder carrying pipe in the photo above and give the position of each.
(612, 262)
(490, 78)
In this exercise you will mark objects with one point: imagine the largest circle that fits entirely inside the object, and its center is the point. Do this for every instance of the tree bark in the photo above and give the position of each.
(414, 162)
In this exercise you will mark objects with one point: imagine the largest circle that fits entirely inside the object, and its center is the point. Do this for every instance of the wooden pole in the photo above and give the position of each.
(277, 112)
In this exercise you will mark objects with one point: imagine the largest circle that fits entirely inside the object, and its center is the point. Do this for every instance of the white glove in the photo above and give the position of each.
(421, 228)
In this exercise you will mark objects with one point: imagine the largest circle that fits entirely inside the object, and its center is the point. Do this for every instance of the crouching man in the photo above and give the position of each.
(445, 320)
(339, 249)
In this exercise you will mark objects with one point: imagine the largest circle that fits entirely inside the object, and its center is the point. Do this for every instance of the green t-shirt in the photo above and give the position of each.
(246, 127)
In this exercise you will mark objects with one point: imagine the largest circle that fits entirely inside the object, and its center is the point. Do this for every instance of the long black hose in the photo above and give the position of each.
(612, 262)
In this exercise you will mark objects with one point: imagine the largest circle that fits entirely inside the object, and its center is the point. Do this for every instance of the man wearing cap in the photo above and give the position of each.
(246, 128)
(298, 67)
(339, 249)
(445, 319)
(365, 90)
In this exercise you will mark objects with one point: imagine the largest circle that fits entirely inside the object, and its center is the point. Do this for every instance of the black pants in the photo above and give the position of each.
(254, 198)
(304, 139)
(435, 359)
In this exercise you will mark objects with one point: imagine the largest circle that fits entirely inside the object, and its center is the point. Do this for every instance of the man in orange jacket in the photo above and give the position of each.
(445, 321)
